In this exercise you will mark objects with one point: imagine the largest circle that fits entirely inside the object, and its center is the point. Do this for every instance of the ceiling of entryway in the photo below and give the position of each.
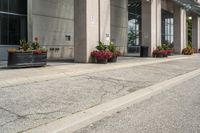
(189, 5)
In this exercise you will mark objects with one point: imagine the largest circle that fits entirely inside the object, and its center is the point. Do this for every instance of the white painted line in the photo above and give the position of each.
(87, 117)
(79, 70)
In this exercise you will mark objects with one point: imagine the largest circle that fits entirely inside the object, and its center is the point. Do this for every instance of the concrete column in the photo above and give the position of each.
(86, 28)
(105, 22)
(151, 24)
(119, 24)
(196, 32)
(30, 20)
(180, 29)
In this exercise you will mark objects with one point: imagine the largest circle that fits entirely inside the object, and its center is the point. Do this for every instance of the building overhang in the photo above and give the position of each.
(189, 5)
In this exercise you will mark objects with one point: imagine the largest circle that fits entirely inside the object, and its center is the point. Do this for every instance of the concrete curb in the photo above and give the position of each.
(87, 117)
(83, 69)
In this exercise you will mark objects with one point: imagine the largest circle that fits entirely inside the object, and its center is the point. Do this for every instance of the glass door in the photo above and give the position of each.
(134, 27)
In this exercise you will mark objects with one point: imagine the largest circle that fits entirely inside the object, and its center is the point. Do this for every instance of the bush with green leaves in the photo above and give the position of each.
(24, 45)
(111, 47)
(101, 46)
(35, 45)
(166, 46)
(188, 50)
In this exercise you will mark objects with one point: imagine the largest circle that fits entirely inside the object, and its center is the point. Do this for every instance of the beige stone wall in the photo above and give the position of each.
(53, 21)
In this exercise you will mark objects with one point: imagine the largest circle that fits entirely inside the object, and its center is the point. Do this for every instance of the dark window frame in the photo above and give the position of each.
(16, 22)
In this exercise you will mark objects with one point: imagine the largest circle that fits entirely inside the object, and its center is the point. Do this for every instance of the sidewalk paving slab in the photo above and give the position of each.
(14, 77)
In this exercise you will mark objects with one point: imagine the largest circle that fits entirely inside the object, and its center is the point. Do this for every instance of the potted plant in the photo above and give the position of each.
(164, 50)
(156, 53)
(188, 51)
(163, 53)
(28, 55)
(169, 52)
(101, 56)
(39, 54)
(115, 52)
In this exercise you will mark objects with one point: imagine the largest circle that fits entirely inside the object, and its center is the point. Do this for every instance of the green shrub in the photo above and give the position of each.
(188, 50)
(24, 45)
(101, 46)
(112, 47)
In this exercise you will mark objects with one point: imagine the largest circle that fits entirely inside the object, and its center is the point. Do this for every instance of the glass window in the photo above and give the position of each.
(167, 27)
(18, 6)
(17, 30)
(134, 25)
(3, 29)
(4, 5)
(13, 21)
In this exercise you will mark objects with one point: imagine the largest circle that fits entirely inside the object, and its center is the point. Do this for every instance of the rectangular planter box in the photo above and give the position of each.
(40, 59)
(26, 59)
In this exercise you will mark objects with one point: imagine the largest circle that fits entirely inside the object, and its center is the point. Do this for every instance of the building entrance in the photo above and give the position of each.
(134, 27)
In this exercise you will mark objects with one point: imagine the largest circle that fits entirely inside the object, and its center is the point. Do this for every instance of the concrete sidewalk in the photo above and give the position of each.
(25, 107)
(12, 77)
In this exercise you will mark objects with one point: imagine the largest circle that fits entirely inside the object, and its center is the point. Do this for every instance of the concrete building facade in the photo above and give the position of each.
(71, 29)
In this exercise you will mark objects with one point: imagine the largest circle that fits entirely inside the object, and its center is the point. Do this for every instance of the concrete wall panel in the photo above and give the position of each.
(53, 23)
(180, 29)
(105, 24)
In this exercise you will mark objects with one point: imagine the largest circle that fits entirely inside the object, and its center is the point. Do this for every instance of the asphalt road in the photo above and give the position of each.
(28, 106)
(174, 111)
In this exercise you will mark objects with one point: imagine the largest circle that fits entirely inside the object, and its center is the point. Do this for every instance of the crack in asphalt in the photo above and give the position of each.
(4, 109)
(27, 116)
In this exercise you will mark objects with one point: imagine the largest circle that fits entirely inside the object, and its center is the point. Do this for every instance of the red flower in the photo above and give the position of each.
(39, 51)
(169, 51)
(163, 52)
(102, 54)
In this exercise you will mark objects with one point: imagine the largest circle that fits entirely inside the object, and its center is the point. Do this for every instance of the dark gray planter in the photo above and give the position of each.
(113, 59)
(40, 59)
(26, 59)
(102, 61)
